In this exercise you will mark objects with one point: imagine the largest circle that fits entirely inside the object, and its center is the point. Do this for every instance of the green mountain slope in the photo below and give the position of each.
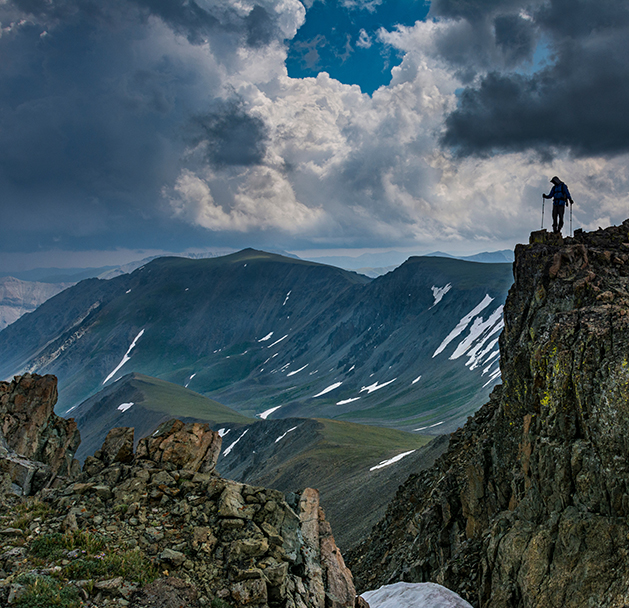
(275, 336)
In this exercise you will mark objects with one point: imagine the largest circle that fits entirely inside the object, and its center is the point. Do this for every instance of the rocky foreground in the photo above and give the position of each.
(158, 527)
(529, 507)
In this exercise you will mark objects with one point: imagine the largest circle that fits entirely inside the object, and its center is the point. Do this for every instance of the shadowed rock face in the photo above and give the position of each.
(39, 444)
(529, 506)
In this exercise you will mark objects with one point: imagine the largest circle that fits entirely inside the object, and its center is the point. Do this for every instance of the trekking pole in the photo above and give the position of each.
(543, 201)
(570, 220)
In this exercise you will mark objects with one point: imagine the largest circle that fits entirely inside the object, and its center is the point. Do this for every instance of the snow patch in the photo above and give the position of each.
(189, 379)
(375, 386)
(297, 371)
(328, 389)
(231, 447)
(463, 323)
(267, 413)
(287, 296)
(123, 407)
(128, 291)
(439, 292)
(479, 329)
(125, 358)
(345, 401)
(416, 380)
(284, 435)
(223, 432)
(350, 369)
(493, 377)
(277, 341)
(414, 595)
(386, 463)
(267, 337)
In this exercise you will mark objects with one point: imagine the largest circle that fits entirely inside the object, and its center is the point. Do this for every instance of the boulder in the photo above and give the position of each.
(31, 427)
(193, 446)
(118, 446)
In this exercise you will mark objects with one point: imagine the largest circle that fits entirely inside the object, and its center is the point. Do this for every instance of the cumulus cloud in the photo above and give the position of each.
(162, 110)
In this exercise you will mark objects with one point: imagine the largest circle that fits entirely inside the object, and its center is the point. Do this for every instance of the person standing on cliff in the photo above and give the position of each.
(561, 197)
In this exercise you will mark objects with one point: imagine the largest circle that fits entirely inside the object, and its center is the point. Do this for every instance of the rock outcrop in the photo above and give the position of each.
(210, 540)
(529, 506)
(36, 445)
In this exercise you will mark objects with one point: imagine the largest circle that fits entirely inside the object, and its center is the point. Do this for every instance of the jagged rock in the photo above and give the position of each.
(192, 446)
(170, 592)
(118, 446)
(528, 507)
(31, 427)
(223, 540)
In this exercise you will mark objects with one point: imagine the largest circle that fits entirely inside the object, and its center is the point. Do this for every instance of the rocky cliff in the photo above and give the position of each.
(158, 527)
(529, 506)
(36, 445)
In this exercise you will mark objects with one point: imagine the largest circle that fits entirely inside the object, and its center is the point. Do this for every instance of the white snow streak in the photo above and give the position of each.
(267, 337)
(414, 595)
(439, 292)
(284, 435)
(346, 401)
(223, 432)
(463, 323)
(495, 375)
(277, 341)
(125, 358)
(231, 447)
(328, 389)
(386, 463)
(123, 407)
(375, 386)
(297, 371)
(287, 296)
(193, 375)
(423, 428)
(267, 413)
(479, 327)
(416, 380)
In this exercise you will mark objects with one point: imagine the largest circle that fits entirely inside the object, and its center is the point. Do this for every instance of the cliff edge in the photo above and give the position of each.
(529, 506)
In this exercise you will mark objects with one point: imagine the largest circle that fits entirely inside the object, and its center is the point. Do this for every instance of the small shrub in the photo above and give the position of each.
(131, 565)
(27, 512)
(56, 545)
(46, 592)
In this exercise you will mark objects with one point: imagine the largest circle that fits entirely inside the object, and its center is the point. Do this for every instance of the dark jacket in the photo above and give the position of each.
(560, 194)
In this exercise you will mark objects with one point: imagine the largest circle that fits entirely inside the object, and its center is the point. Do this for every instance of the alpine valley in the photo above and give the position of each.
(277, 337)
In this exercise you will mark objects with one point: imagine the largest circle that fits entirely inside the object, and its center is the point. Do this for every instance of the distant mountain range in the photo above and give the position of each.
(378, 263)
(19, 297)
(277, 337)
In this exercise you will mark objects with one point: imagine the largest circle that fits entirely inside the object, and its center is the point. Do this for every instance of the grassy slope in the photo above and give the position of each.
(162, 396)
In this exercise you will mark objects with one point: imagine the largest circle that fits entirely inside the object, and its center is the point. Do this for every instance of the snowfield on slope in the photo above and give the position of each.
(414, 595)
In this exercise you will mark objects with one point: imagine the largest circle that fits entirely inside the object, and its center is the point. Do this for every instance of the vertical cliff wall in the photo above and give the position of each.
(529, 507)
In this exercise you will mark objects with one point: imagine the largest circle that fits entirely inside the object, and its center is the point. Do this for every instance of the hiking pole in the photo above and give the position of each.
(571, 220)
(543, 201)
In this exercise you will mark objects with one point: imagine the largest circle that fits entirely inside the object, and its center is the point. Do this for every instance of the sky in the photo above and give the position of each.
(134, 127)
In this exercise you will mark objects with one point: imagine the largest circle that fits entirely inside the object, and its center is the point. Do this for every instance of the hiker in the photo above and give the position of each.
(561, 196)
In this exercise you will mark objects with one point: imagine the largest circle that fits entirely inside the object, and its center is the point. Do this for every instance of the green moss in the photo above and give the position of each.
(131, 565)
(46, 592)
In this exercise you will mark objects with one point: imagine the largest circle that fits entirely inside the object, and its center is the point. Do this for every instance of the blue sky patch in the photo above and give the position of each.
(341, 37)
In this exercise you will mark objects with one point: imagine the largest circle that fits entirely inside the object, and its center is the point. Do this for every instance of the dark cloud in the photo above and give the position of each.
(577, 102)
(516, 37)
(229, 135)
(94, 100)
(472, 10)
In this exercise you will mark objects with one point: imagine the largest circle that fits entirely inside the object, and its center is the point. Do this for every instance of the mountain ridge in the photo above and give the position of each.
(528, 506)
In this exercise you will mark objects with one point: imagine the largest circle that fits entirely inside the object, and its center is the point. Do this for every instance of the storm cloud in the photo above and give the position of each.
(574, 100)
(172, 123)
